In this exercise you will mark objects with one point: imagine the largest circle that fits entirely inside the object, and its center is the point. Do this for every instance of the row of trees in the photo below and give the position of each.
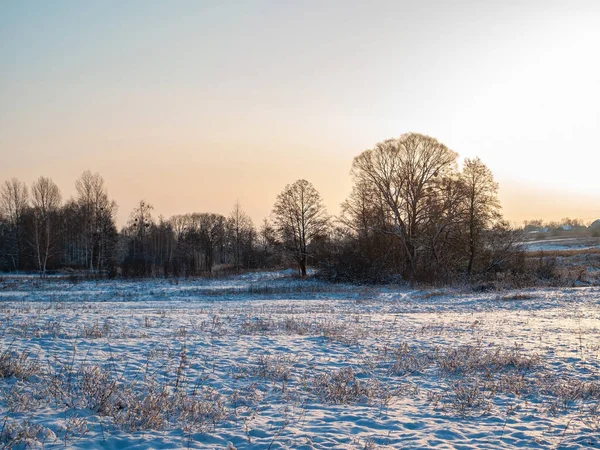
(411, 213)
(566, 224)
(193, 244)
(38, 232)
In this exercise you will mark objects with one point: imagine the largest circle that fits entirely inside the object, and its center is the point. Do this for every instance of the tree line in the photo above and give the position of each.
(40, 233)
(555, 226)
(411, 215)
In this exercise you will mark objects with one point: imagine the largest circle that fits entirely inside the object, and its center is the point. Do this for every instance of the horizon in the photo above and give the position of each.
(193, 107)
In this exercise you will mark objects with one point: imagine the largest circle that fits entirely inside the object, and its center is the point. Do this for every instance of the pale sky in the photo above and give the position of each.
(192, 105)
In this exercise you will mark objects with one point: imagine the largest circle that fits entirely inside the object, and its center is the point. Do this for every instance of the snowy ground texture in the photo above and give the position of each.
(562, 244)
(267, 361)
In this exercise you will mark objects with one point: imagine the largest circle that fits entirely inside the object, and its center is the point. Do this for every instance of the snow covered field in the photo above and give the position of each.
(562, 244)
(268, 361)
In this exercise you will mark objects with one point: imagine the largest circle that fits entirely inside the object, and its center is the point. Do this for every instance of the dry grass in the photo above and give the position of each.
(17, 364)
(342, 386)
(367, 360)
(563, 253)
(518, 296)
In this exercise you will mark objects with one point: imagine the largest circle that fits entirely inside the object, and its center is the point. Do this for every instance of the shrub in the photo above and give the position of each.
(17, 365)
(340, 386)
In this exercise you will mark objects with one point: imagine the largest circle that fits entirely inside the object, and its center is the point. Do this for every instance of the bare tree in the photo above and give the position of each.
(241, 233)
(180, 226)
(13, 204)
(406, 173)
(503, 244)
(267, 244)
(165, 244)
(200, 236)
(98, 217)
(46, 200)
(141, 218)
(482, 205)
(364, 211)
(441, 233)
(300, 218)
(140, 225)
(179, 223)
(212, 235)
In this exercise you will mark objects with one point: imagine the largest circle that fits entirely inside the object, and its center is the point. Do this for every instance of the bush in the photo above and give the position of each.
(17, 365)
(359, 262)
(341, 386)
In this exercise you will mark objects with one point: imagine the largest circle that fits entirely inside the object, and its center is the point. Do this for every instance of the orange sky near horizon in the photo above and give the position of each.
(194, 105)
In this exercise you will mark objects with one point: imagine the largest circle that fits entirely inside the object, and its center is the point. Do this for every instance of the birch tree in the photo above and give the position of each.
(98, 217)
(14, 199)
(45, 201)
(241, 234)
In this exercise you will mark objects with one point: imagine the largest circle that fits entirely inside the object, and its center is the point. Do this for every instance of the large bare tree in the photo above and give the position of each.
(482, 207)
(406, 173)
(98, 217)
(300, 218)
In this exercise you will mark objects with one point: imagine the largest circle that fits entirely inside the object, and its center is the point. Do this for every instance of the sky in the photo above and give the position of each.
(194, 105)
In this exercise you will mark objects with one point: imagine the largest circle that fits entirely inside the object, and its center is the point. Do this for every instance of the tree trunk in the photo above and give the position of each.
(471, 258)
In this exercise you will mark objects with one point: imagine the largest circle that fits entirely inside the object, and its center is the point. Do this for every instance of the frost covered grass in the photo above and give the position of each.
(159, 364)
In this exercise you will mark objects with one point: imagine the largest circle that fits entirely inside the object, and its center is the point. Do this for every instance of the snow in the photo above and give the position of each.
(265, 360)
(560, 244)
